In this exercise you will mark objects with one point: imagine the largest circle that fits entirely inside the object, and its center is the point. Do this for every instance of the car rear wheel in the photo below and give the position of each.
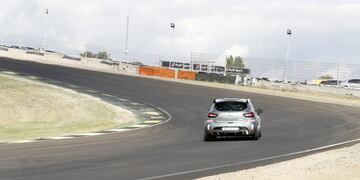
(208, 137)
(257, 135)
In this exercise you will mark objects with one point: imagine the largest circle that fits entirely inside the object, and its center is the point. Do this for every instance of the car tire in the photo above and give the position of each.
(260, 134)
(208, 137)
(257, 135)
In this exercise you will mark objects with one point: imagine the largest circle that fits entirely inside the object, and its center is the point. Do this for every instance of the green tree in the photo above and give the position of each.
(87, 54)
(229, 61)
(327, 76)
(102, 55)
(236, 62)
(99, 55)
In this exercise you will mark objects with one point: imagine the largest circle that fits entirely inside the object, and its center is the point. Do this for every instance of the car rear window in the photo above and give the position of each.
(230, 106)
(354, 81)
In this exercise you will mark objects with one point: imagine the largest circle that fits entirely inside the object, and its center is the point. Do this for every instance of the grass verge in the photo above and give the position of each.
(31, 109)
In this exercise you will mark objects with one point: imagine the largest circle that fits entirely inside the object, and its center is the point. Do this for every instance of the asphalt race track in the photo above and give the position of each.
(289, 125)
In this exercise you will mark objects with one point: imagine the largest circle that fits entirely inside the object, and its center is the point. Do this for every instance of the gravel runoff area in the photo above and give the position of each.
(31, 109)
(335, 164)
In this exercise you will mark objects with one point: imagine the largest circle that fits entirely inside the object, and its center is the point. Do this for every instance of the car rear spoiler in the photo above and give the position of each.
(244, 100)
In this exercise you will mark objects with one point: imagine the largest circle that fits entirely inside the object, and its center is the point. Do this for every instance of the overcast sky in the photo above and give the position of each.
(323, 30)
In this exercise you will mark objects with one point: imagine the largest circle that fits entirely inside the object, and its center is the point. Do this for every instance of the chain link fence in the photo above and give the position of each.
(300, 70)
(275, 69)
(304, 71)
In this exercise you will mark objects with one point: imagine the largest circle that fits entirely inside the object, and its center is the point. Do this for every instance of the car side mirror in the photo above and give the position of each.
(259, 111)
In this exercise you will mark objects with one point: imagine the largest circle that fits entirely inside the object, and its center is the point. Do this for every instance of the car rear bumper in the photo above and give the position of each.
(218, 130)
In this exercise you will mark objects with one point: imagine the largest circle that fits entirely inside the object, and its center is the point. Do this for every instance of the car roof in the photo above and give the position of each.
(244, 100)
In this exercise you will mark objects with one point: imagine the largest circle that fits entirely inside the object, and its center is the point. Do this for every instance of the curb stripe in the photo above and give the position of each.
(75, 135)
(118, 130)
(138, 125)
(156, 117)
(152, 121)
(24, 141)
(9, 72)
(152, 113)
(88, 134)
(61, 137)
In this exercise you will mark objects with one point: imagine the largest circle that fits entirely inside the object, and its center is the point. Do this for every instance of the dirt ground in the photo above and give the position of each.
(335, 164)
(31, 110)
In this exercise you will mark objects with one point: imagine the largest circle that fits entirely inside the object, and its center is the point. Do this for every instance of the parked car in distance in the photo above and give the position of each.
(232, 117)
(331, 83)
(351, 83)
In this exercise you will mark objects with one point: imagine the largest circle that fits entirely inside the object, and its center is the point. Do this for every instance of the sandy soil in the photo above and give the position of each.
(30, 110)
(331, 165)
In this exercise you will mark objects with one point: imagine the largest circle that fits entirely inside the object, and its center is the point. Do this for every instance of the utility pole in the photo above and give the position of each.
(287, 54)
(46, 11)
(127, 34)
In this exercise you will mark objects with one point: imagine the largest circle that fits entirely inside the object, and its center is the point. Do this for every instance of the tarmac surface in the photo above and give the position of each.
(173, 150)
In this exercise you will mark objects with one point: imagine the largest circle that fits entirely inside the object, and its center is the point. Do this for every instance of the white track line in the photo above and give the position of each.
(89, 90)
(108, 95)
(33, 77)
(251, 161)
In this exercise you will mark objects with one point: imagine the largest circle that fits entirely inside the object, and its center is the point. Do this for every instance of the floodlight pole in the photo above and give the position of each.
(21, 44)
(172, 26)
(127, 34)
(287, 54)
(46, 11)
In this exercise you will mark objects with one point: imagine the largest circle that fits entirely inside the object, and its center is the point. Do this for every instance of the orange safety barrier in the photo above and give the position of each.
(156, 71)
(186, 75)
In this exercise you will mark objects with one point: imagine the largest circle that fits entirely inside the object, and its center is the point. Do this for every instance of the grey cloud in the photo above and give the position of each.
(323, 30)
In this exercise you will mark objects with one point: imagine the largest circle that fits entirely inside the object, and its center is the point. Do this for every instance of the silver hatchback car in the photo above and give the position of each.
(351, 84)
(232, 117)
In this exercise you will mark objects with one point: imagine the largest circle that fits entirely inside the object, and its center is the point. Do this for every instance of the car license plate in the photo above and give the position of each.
(230, 128)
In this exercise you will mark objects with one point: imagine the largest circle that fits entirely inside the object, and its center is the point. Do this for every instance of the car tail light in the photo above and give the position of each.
(249, 114)
(212, 115)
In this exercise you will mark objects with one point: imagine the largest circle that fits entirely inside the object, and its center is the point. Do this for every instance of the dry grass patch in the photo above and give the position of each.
(30, 110)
